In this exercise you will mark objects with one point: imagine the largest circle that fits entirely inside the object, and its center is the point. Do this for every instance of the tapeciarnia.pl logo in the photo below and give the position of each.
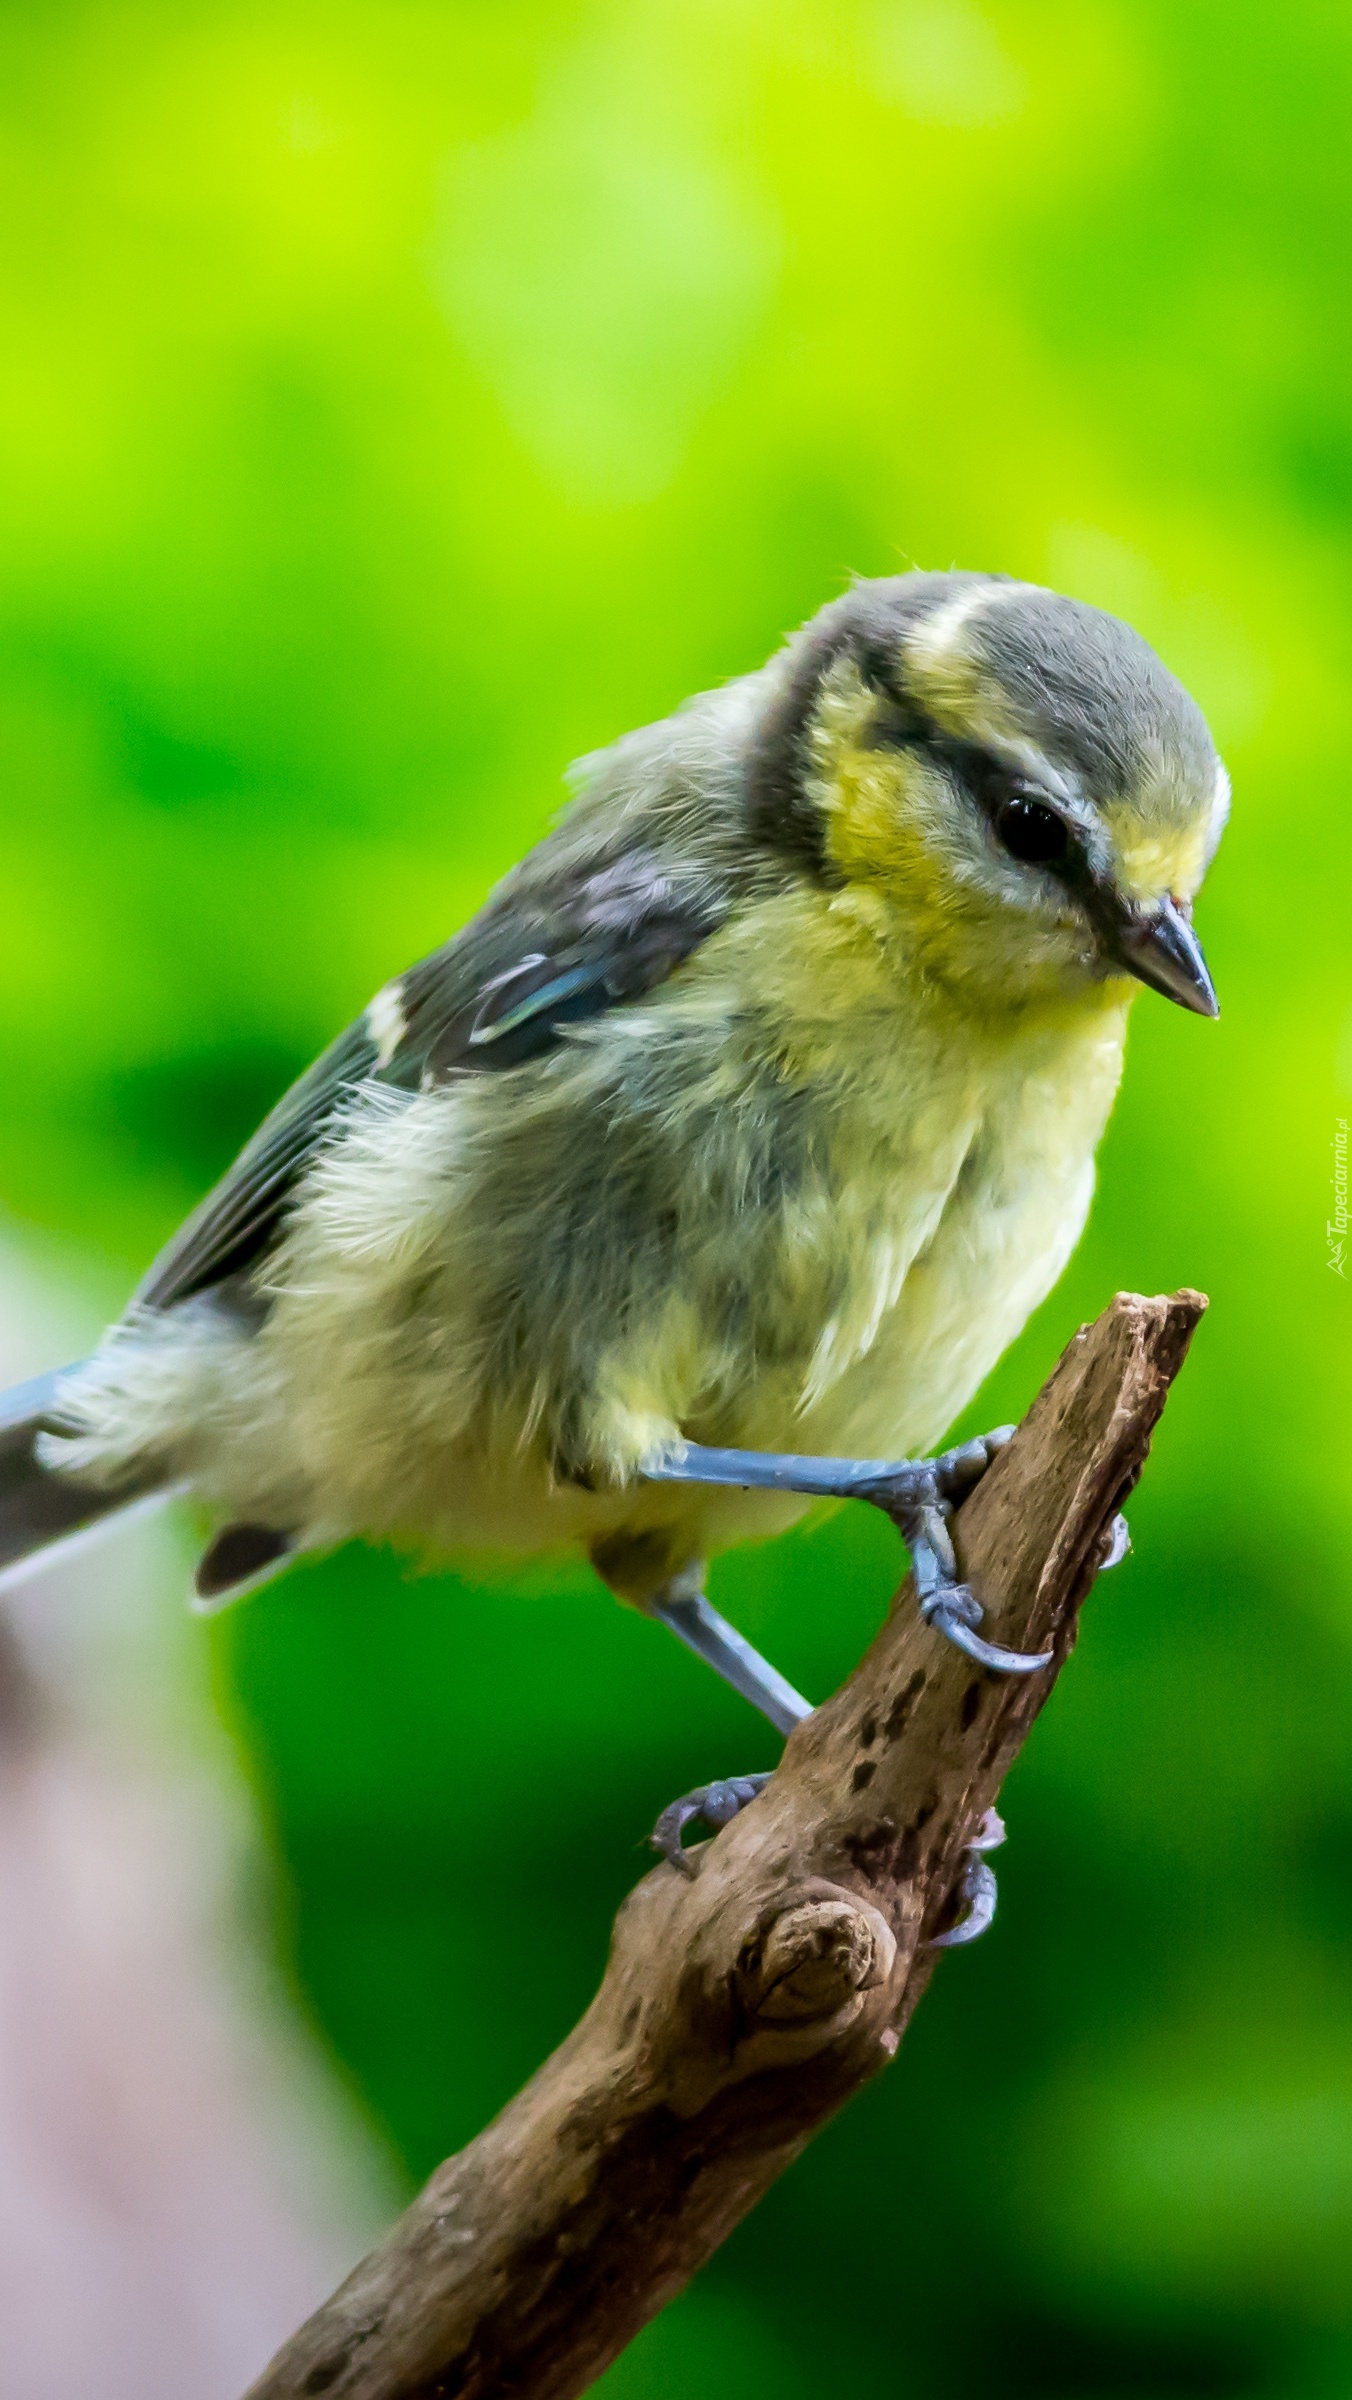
(1336, 1228)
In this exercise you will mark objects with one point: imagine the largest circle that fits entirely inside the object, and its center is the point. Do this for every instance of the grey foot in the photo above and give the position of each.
(1116, 1544)
(976, 1886)
(713, 1805)
(919, 1495)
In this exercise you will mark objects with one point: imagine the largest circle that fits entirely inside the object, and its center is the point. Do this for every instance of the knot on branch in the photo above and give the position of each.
(813, 1960)
(790, 1985)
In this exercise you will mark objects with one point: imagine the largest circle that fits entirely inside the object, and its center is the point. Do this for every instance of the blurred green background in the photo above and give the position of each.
(399, 399)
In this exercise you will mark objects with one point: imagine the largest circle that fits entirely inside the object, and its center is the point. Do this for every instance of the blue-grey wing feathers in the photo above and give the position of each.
(535, 962)
(237, 1221)
(547, 953)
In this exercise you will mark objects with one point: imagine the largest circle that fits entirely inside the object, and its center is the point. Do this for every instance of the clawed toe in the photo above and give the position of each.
(713, 1805)
(1117, 1542)
(919, 1495)
(923, 1519)
(957, 1612)
(955, 1471)
(977, 1887)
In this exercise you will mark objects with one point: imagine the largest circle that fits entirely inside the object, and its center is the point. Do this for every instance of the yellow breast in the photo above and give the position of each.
(957, 1172)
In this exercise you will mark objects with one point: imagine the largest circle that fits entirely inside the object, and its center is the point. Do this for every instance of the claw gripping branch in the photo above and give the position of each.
(747, 1997)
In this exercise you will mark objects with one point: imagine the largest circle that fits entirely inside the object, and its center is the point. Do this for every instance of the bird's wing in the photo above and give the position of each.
(545, 954)
(237, 1220)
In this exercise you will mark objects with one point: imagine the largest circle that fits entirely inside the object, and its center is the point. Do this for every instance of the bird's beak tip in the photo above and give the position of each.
(1160, 949)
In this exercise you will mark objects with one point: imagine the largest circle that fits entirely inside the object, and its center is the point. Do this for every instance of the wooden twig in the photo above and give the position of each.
(742, 2005)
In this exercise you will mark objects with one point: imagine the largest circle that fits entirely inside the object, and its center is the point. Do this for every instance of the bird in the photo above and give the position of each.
(709, 1169)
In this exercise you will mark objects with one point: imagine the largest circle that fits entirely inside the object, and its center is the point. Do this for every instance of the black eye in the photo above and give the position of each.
(1031, 832)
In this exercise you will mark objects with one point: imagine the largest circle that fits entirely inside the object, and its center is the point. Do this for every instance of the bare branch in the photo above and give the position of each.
(741, 2006)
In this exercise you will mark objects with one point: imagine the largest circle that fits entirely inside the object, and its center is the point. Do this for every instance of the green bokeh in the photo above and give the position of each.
(399, 399)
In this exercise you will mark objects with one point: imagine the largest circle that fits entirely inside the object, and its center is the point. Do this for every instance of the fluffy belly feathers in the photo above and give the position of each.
(449, 1381)
(855, 1318)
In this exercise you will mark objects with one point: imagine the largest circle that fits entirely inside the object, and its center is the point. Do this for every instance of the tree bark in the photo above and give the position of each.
(742, 2004)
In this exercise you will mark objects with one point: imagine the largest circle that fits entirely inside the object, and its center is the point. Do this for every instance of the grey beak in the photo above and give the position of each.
(1161, 949)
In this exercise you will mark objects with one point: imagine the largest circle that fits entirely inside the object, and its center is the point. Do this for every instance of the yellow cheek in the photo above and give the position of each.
(864, 812)
(1150, 864)
(875, 830)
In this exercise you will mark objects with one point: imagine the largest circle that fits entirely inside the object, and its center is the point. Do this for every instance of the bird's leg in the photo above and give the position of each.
(681, 1605)
(919, 1495)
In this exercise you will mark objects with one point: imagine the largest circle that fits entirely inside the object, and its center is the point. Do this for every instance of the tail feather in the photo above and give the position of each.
(38, 1508)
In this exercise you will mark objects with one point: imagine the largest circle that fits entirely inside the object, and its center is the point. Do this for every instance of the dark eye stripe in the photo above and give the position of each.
(1025, 822)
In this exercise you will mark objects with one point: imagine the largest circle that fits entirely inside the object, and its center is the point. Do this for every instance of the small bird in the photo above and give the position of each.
(711, 1167)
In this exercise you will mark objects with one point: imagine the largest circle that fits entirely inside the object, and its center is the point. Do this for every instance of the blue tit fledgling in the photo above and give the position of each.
(720, 1156)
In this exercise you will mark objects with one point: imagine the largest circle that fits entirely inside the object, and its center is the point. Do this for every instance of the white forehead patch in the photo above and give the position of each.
(386, 1022)
(962, 697)
(944, 673)
(934, 644)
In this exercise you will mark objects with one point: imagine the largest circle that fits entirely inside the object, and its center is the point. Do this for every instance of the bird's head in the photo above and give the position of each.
(1009, 781)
